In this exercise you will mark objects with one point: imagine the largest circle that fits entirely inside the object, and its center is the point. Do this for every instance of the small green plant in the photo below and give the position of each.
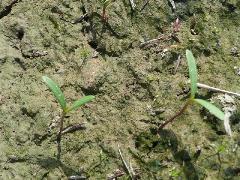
(65, 109)
(105, 4)
(193, 78)
(85, 54)
(174, 173)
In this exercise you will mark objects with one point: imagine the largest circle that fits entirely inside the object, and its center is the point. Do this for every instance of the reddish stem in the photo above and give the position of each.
(59, 136)
(104, 14)
(175, 116)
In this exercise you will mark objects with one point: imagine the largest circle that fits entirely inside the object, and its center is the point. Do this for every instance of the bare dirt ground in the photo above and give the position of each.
(137, 85)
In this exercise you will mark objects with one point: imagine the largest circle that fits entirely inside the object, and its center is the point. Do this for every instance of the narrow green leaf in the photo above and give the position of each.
(105, 2)
(56, 91)
(79, 103)
(192, 68)
(212, 108)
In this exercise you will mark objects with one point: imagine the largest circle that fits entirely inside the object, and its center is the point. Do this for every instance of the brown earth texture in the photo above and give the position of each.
(132, 59)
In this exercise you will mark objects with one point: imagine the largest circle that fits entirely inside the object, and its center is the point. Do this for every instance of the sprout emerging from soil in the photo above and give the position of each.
(193, 78)
(65, 109)
(105, 4)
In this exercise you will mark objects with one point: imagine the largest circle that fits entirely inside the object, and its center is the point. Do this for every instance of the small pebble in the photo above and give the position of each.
(234, 51)
(237, 70)
(76, 177)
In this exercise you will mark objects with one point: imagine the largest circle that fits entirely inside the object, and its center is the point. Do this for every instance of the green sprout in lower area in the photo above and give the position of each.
(193, 78)
(65, 109)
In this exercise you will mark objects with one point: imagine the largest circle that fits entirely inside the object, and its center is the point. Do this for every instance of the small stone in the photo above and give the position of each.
(229, 99)
(234, 51)
(76, 177)
(237, 70)
(93, 73)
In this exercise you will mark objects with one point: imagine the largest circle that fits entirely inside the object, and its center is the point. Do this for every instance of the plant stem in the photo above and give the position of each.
(104, 13)
(59, 136)
(175, 116)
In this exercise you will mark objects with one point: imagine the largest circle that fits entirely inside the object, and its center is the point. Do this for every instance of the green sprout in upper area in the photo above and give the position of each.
(193, 78)
(105, 4)
(65, 109)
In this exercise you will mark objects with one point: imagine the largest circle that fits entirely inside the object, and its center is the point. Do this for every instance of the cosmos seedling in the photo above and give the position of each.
(105, 4)
(193, 78)
(65, 109)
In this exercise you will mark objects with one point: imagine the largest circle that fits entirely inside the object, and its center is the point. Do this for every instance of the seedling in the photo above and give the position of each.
(65, 109)
(193, 78)
(105, 4)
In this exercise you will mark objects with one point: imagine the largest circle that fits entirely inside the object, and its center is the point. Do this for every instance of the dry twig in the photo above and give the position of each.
(145, 4)
(132, 4)
(217, 89)
(177, 64)
(125, 165)
(163, 37)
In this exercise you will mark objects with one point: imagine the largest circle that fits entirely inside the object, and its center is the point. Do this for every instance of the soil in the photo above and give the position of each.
(136, 84)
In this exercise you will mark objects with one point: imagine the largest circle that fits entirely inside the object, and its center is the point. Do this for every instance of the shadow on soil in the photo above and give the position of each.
(48, 163)
(150, 142)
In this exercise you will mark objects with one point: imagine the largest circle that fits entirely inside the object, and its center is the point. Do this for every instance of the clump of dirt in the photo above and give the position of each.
(129, 62)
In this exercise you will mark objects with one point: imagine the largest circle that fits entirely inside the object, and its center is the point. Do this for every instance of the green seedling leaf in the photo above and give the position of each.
(154, 165)
(212, 109)
(105, 2)
(175, 173)
(79, 103)
(56, 91)
(221, 148)
(192, 72)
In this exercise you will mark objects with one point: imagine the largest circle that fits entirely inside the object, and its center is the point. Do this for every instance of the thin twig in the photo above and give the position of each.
(217, 89)
(73, 128)
(125, 164)
(154, 40)
(177, 64)
(145, 4)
